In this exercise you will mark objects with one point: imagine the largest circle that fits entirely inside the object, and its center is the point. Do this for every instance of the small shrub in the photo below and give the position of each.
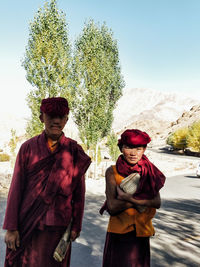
(178, 139)
(112, 146)
(193, 137)
(99, 156)
(4, 157)
(13, 141)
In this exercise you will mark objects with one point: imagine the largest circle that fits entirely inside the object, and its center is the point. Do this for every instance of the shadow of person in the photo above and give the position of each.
(3, 200)
(82, 256)
(177, 230)
(89, 246)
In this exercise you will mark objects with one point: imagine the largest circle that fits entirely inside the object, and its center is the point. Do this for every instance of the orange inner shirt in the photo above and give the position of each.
(52, 146)
(131, 219)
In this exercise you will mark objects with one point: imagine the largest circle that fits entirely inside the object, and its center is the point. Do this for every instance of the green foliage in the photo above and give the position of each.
(47, 60)
(169, 140)
(178, 139)
(193, 137)
(99, 155)
(4, 157)
(98, 82)
(13, 144)
(34, 125)
(112, 146)
(13, 141)
(188, 137)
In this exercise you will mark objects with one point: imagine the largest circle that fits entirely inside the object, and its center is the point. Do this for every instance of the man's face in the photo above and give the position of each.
(53, 125)
(133, 154)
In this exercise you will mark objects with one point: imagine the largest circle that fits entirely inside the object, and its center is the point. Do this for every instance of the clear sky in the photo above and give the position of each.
(158, 41)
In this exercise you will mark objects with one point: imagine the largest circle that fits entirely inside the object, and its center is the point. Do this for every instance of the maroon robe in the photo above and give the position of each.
(48, 188)
(126, 250)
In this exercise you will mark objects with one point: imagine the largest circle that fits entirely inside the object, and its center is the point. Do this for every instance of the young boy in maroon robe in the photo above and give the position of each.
(129, 229)
(47, 192)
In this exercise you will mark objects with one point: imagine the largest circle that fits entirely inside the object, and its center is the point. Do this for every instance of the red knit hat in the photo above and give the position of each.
(134, 137)
(55, 106)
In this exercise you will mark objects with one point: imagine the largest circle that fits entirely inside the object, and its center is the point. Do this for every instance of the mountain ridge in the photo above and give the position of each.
(137, 103)
(153, 111)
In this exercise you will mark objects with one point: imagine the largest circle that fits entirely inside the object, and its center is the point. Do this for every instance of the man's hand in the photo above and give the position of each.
(74, 235)
(12, 239)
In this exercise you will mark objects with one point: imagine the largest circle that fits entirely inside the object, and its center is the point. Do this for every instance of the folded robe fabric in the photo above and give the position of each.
(151, 181)
(42, 183)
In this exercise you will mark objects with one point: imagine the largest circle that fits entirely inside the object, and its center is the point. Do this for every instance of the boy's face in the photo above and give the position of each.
(53, 125)
(133, 154)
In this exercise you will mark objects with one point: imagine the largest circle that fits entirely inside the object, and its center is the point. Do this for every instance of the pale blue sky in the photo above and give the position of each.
(158, 41)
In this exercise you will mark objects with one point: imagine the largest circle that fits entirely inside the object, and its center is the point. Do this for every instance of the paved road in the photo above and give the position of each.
(2, 211)
(177, 239)
(174, 154)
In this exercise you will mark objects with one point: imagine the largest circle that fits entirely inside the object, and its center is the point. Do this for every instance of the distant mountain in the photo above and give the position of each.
(187, 118)
(150, 110)
(156, 112)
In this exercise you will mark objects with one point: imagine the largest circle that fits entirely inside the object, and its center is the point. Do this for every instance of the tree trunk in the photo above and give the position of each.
(87, 172)
(96, 159)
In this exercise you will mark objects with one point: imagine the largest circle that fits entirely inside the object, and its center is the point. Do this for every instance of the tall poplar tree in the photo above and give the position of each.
(47, 60)
(98, 82)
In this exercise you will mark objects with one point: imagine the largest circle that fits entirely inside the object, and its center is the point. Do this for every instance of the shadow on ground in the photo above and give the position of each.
(87, 251)
(3, 199)
(191, 176)
(89, 247)
(177, 239)
(176, 243)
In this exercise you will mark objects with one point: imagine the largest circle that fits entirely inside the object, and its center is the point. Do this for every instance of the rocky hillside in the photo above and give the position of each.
(187, 118)
(152, 111)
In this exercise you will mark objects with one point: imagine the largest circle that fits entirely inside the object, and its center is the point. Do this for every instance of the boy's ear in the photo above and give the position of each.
(41, 117)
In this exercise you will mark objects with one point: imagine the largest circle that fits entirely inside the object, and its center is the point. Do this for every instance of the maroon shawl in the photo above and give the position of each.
(43, 180)
(151, 181)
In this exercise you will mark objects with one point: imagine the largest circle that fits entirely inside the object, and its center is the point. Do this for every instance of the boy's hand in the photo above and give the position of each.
(121, 195)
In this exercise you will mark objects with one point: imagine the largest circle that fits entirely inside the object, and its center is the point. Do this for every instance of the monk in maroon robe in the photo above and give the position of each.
(47, 192)
(130, 225)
